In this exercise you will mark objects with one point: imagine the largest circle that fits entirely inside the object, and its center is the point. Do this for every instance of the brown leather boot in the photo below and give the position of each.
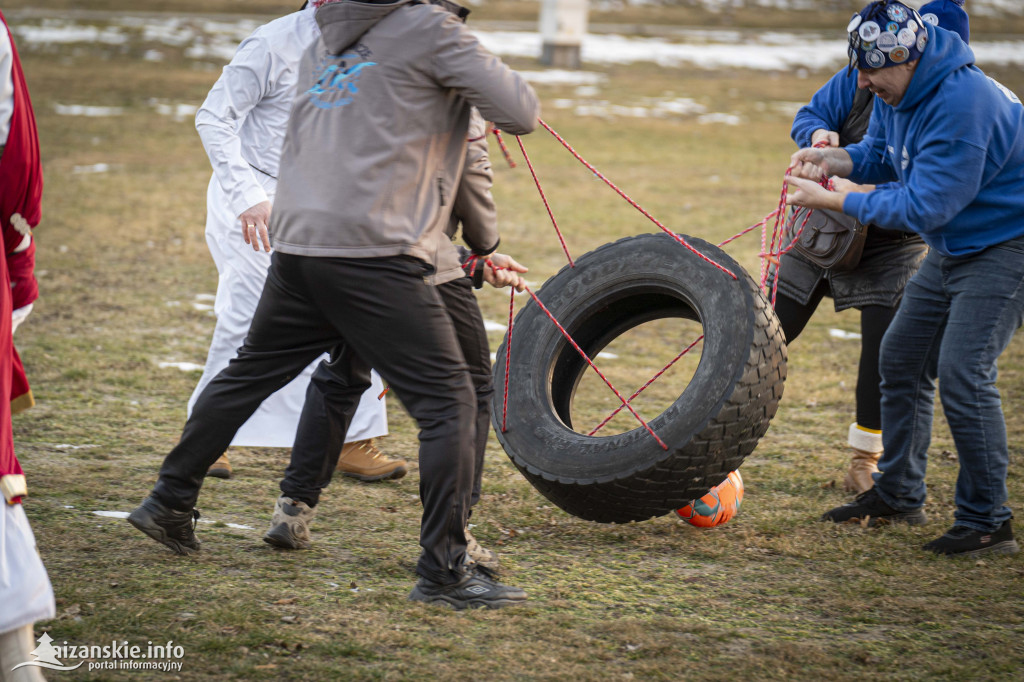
(866, 450)
(362, 460)
(221, 468)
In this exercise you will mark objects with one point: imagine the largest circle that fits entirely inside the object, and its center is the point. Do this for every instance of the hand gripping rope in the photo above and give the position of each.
(771, 252)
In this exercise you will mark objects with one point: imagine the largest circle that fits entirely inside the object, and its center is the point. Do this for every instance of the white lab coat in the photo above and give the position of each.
(242, 125)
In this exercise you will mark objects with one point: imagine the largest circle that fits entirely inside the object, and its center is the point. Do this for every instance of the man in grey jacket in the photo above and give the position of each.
(330, 399)
(375, 146)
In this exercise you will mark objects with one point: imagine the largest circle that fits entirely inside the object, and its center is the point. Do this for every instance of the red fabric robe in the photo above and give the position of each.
(21, 188)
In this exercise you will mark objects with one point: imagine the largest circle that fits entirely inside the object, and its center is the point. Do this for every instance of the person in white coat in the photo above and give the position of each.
(242, 124)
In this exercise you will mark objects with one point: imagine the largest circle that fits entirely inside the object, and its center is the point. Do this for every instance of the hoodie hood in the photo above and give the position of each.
(343, 23)
(945, 53)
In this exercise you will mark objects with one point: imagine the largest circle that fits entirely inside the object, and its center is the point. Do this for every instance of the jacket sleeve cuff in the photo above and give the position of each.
(856, 152)
(852, 204)
(485, 251)
(247, 198)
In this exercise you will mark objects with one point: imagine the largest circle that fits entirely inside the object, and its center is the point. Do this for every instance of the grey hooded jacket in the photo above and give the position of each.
(376, 141)
(473, 208)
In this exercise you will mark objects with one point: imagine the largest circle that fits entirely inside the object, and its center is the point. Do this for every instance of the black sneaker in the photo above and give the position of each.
(473, 590)
(964, 541)
(869, 505)
(170, 527)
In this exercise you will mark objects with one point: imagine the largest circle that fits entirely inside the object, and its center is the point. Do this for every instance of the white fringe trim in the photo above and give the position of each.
(864, 440)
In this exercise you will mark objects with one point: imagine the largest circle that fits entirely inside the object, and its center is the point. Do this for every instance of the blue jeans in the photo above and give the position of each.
(956, 318)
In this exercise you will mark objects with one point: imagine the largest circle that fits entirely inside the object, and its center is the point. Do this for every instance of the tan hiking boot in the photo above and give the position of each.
(476, 554)
(362, 460)
(221, 468)
(289, 526)
(866, 450)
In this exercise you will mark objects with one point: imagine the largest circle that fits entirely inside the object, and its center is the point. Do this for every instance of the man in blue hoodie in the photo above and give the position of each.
(954, 141)
(838, 115)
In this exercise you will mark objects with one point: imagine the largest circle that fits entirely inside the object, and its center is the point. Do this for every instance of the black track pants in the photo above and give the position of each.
(384, 315)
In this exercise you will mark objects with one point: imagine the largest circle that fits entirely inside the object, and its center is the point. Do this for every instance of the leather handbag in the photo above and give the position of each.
(831, 240)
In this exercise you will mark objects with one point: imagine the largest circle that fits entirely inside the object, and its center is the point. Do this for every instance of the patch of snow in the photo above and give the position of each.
(124, 515)
(217, 41)
(112, 514)
(647, 107)
(236, 526)
(179, 112)
(726, 119)
(94, 168)
(843, 334)
(788, 109)
(183, 366)
(54, 32)
(85, 110)
(563, 77)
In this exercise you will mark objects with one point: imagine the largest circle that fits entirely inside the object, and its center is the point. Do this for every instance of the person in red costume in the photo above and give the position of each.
(25, 590)
(21, 191)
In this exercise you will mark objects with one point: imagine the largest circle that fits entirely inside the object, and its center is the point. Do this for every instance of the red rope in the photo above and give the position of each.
(471, 264)
(782, 226)
(579, 350)
(508, 358)
(644, 387)
(771, 251)
(632, 203)
(504, 148)
(773, 255)
(544, 198)
(749, 229)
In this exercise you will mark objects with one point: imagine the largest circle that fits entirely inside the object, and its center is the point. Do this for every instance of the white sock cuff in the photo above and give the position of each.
(862, 439)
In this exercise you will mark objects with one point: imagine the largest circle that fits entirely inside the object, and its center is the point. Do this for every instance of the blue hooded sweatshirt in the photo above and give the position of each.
(956, 143)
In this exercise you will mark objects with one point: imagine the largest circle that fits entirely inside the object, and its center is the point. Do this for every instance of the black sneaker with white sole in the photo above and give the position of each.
(964, 541)
(870, 505)
(474, 590)
(170, 527)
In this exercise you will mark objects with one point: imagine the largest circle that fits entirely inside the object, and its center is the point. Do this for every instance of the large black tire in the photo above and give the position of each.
(709, 429)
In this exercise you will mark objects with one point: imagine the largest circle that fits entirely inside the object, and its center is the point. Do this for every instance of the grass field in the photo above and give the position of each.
(773, 595)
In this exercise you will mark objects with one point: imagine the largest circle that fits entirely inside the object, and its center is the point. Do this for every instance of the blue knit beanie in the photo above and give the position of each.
(948, 14)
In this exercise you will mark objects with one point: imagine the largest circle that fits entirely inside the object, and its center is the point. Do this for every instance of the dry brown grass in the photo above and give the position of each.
(774, 594)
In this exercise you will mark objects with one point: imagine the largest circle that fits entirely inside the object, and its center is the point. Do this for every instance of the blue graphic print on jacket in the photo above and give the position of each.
(337, 80)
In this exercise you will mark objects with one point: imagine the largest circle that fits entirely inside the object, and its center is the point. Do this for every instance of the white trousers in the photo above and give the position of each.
(16, 647)
(25, 591)
(242, 274)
